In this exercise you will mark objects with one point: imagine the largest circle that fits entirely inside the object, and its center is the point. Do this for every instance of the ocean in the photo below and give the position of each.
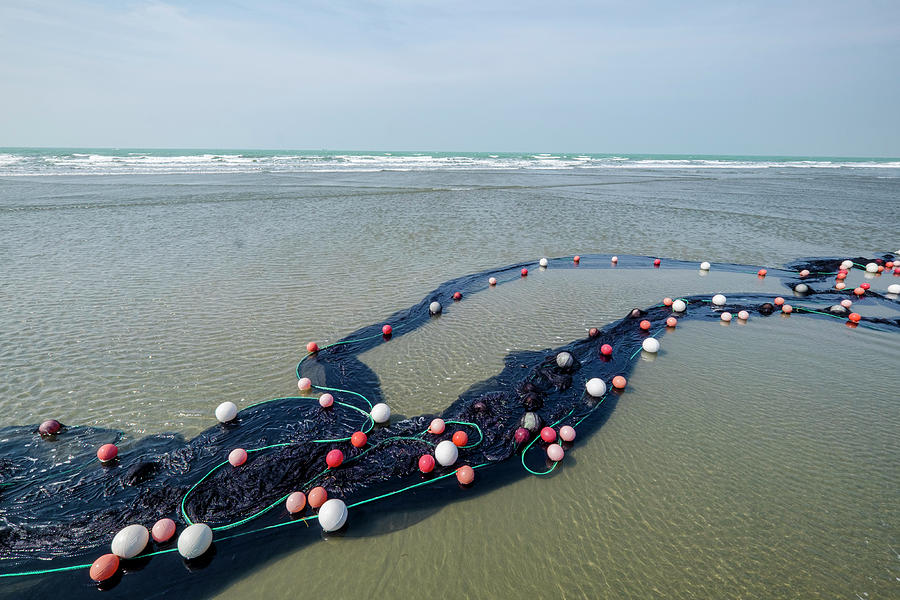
(141, 288)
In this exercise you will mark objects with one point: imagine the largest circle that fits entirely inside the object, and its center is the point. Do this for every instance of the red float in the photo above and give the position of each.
(426, 463)
(312, 347)
(387, 330)
(104, 567)
(606, 350)
(107, 452)
(465, 475)
(524, 272)
(854, 317)
(359, 439)
(334, 458)
(548, 434)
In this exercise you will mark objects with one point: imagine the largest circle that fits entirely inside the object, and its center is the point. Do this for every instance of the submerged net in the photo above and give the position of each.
(58, 502)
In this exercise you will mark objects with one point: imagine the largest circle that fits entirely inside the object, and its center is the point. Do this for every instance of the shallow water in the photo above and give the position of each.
(753, 460)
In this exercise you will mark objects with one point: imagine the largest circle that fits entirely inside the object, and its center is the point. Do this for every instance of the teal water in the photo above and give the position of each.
(752, 461)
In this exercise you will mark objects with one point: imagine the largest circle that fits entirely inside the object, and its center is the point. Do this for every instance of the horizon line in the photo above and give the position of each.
(679, 154)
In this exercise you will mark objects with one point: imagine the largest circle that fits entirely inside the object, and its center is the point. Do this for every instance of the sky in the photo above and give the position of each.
(817, 78)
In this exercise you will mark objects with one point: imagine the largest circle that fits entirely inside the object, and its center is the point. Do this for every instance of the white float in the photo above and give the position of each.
(544, 262)
(847, 264)
(446, 453)
(894, 288)
(872, 268)
(801, 288)
(381, 413)
(719, 300)
(130, 541)
(434, 308)
(679, 306)
(596, 387)
(743, 315)
(194, 540)
(332, 515)
(704, 266)
(651, 345)
(226, 412)
(726, 316)
(564, 360)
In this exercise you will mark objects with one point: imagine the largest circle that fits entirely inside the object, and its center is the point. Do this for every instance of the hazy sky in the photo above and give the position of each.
(801, 78)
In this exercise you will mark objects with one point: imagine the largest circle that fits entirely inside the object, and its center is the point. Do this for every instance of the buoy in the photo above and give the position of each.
(381, 413)
(50, 427)
(492, 281)
(333, 515)
(304, 384)
(555, 452)
(651, 345)
(436, 427)
(889, 264)
(435, 308)
(881, 268)
(317, 496)
(801, 288)
(667, 301)
(841, 276)
(460, 438)
(847, 303)
(326, 400)
(358, 439)
(237, 457)
(704, 266)
(837, 309)
(619, 382)
(778, 301)
(595, 387)
(334, 458)
(521, 435)
(894, 288)
(107, 452)
(657, 262)
(567, 433)
(679, 306)
(859, 291)
(130, 541)
(531, 421)
(226, 412)
(743, 315)
(548, 434)
(865, 286)
(645, 325)
(195, 540)
(564, 360)
(726, 317)
(847, 264)
(719, 300)
(387, 330)
(457, 296)
(804, 273)
(614, 259)
(787, 309)
(524, 272)
(606, 350)
(312, 347)
(544, 262)
(872, 268)
(593, 332)
(762, 272)
(577, 258)
(465, 475)
(163, 530)
(295, 502)
(671, 322)
(104, 567)
(855, 317)
(840, 285)
(426, 463)
(446, 453)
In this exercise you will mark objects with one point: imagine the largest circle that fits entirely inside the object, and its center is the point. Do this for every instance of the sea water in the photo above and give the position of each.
(141, 288)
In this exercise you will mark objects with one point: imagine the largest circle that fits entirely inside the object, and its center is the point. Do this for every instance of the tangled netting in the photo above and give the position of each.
(58, 502)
